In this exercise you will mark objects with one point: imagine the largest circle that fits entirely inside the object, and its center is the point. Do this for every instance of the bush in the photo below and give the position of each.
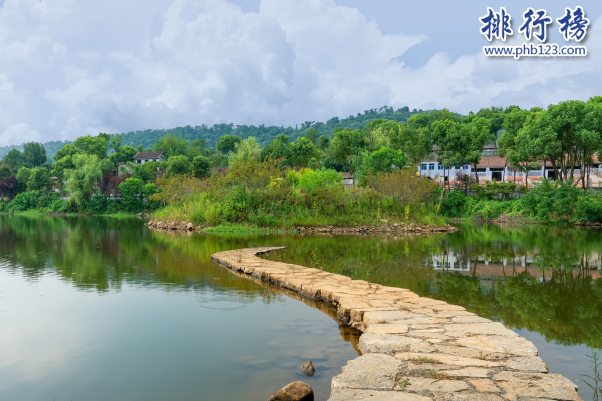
(97, 204)
(59, 206)
(454, 204)
(236, 206)
(589, 208)
(312, 181)
(132, 192)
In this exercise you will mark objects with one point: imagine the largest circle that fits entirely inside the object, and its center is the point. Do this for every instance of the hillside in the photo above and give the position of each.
(263, 134)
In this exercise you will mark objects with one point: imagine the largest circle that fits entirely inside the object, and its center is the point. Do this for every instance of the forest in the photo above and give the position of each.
(263, 134)
(292, 181)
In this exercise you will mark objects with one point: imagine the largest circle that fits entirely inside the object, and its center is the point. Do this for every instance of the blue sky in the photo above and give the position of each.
(74, 67)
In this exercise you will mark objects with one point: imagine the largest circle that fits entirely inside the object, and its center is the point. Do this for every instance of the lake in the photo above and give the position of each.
(102, 308)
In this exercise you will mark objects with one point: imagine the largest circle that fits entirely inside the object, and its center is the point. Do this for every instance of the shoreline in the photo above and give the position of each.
(358, 230)
(413, 348)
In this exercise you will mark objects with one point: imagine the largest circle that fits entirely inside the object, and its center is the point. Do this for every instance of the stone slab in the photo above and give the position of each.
(370, 395)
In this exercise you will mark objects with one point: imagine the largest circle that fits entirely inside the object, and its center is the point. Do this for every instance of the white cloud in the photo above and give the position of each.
(72, 68)
(19, 133)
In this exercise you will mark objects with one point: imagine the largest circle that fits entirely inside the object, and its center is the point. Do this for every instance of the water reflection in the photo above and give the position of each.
(90, 301)
(540, 280)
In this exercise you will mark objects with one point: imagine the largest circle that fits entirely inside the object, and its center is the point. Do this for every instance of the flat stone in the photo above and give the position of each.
(468, 397)
(424, 320)
(485, 386)
(368, 372)
(533, 364)
(371, 395)
(452, 360)
(387, 328)
(470, 319)
(425, 384)
(499, 344)
(518, 384)
(381, 343)
(387, 316)
(469, 372)
(479, 328)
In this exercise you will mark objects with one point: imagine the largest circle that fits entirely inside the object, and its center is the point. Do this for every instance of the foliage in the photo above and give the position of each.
(385, 160)
(9, 187)
(201, 167)
(34, 154)
(245, 150)
(313, 181)
(403, 187)
(171, 145)
(15, 159)
(227, 143)
(175, 188)
(133, 192)
(178, 165)
(82, 179)
(39, 179)
(94, 146)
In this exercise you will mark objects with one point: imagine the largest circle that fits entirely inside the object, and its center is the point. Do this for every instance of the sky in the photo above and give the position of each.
(75, 67)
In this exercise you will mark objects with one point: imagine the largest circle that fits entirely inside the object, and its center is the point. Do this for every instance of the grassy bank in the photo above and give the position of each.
(259, 194)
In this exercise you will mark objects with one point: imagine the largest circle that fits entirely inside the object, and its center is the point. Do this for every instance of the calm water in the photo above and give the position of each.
(542, 282)
(97, 309)
(103, 309)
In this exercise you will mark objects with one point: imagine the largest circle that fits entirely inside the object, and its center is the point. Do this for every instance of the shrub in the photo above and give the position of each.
(454, 204)
(97, 204)
(132, 192)
(589, 208)
(312, 181)
(59, 206)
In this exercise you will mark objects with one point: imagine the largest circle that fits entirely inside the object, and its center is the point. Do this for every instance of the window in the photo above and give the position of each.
(431, 166)
(423, 167)
(439, 167)
(466, 167)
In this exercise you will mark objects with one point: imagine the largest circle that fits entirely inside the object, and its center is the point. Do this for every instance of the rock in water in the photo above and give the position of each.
(297, 391)
(308, 368)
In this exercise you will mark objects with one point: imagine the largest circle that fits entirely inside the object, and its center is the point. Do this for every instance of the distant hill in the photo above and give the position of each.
(262, 133)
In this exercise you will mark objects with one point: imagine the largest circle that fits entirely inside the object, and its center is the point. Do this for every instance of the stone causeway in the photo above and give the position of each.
(413, 348)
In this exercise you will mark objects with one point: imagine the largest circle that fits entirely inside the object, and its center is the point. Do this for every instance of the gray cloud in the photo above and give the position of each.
(70, 68)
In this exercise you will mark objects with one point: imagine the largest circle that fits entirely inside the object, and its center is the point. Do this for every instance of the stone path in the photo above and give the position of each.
(414, 348)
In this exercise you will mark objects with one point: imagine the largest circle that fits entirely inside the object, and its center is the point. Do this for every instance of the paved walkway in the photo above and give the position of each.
(414, 348)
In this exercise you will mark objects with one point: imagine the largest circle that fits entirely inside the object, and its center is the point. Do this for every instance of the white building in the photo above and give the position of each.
(143, 157)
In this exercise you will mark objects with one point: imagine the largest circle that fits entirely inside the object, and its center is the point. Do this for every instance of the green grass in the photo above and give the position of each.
(119, 215)
(242, 229)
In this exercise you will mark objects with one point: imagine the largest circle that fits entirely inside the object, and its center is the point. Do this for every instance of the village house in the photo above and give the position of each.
(495, 168)
(143, 157)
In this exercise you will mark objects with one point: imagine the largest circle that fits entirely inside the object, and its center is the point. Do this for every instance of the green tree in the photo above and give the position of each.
(245, 150)
(201, 167)
(90, 145)
(172, 146)
(304, 153)
(385, 160)
(5, 171)
(121, 154)
(23, 176)
(106, 166)
(323, 142)
(81, 181)
(312, 134)
(14, 159)
(278, 149)
(132, 191)
(347, 143)
(67, 150)
(227, 143)
(34, 154)
(178, 165)
(413, 142)
(39, 179)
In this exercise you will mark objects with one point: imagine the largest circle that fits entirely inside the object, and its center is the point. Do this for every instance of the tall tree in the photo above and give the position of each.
(90, 145)
(172, 145)
(81, 181)
(227, 143)
(34, 153)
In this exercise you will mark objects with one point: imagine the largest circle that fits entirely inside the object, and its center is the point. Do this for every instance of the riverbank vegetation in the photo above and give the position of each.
(266, 195)
(547, 202)
(298, 180)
